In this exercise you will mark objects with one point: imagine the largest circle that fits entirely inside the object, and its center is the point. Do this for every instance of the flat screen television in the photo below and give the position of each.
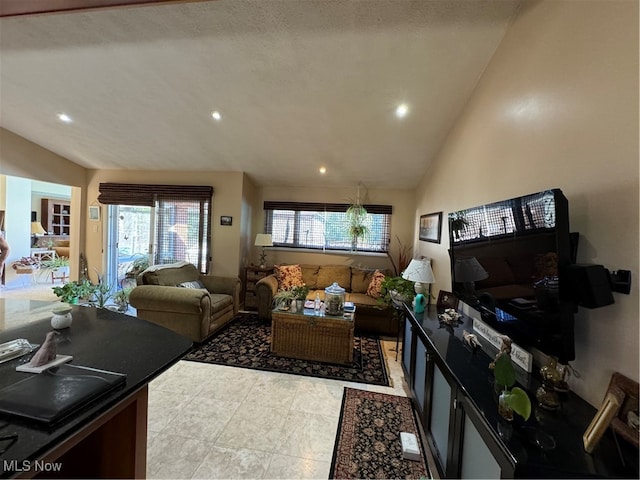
(507, 260)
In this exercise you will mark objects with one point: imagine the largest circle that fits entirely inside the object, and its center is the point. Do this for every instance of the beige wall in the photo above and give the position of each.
(402, 202)
(558, 107)
(227, 200)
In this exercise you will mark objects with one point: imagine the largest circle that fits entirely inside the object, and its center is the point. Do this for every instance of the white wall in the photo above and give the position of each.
(558, 107)
(18, 217)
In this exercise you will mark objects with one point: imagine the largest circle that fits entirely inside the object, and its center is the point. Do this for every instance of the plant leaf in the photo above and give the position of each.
(519, 402)
(503, 371)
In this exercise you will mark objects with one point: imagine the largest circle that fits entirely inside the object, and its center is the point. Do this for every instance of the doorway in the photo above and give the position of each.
(129, 243)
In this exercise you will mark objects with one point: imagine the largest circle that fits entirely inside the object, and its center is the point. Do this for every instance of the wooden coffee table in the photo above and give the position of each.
(309, 337)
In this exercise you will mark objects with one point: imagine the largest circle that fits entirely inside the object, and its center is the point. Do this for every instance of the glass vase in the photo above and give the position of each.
(504, 409)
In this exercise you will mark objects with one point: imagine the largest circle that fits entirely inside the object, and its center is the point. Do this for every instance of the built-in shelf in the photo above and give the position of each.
(56, 216)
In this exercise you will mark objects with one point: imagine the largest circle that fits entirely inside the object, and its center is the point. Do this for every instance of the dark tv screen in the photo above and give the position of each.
(507, 259)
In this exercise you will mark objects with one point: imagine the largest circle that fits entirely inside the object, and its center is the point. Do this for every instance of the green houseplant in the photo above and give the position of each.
(395, 290)
(511, 399)
(282, 299)
(72, 291)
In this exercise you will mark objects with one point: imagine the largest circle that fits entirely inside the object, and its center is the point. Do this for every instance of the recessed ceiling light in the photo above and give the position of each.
(322, 170)
(64, 118)
(402, 110)
(216, 115)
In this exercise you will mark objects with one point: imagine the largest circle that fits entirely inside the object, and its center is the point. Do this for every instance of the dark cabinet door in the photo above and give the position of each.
(477, 452)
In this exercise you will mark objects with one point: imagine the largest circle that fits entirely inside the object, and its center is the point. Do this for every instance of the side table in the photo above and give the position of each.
(252, 275)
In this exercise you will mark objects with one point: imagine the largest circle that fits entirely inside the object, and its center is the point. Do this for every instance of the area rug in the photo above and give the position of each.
(246, 342)
(368, 441)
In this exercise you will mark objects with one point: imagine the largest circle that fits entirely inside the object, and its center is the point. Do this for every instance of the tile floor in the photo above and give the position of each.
(212, 421)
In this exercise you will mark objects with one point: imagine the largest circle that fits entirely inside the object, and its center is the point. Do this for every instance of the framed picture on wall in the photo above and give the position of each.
(431, 227)
(226, 220)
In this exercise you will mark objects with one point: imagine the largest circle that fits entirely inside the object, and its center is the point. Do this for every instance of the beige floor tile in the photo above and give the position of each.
(227, 388)
(174, 456)
(202, 418)
(307, 435)
(164, 407)
(286, 467)
(318, 398)
(230, 463)
(254, 427)
(274, 391)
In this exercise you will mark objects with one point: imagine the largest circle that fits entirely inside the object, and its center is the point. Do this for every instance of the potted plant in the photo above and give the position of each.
(139, 265)
(396, 290)
(121, 299)
(511, 399)
(72, 291)
(300, 295)
(102, 292)
(57, 264)
(282, 299)
(358, 229)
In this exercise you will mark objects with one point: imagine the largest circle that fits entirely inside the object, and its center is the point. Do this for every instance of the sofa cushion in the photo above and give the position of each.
(170, 274)
(360, 279)
(310, 275)
(361, 299)
(220, 301)
(192, 284)
(374, 289)
(328, 274)
(288, 276)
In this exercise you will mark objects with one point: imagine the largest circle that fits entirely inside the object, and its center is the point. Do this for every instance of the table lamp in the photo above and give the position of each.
(263, 240)
(419, 271)
(36, 229)
(468, 271)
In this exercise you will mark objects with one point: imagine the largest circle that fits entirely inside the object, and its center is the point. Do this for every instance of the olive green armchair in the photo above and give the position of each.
(177, 296)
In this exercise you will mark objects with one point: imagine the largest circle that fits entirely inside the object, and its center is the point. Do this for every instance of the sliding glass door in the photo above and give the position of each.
(174, 230)
(130, 243)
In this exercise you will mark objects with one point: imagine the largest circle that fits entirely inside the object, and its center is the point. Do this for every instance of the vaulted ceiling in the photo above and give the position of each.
(298, 85)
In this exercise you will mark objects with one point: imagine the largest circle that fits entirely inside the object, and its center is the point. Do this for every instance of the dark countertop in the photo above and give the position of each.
(565, 426)
(97, 338)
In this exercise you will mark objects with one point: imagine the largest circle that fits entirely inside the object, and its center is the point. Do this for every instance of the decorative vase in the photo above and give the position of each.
(504, 410)
(61, 317)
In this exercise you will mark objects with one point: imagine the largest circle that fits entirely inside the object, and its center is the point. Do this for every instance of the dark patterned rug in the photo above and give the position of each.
(246, 342)
(368, 441)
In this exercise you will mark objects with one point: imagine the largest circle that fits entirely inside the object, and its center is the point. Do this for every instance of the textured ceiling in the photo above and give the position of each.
(300, 84)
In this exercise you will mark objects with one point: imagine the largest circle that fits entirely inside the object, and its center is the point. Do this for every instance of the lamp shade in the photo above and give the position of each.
(469, 270)
(419, 270)
(36, 228)
(264, 240)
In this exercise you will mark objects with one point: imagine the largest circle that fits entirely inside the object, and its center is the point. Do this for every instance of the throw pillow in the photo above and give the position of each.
(375, 287)
(193, 284)
(289, 276)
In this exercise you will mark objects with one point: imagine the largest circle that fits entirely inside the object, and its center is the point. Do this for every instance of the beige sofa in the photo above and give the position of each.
(372, 316)
(193, 312)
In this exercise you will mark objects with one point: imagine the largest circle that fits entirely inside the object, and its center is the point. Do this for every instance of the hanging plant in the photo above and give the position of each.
(357, 218)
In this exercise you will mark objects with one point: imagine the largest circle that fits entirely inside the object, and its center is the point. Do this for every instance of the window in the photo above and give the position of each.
(324, 226)
(180, 222)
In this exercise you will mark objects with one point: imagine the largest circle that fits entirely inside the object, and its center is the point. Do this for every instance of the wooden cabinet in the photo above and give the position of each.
(251, 276)
(56, 216)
